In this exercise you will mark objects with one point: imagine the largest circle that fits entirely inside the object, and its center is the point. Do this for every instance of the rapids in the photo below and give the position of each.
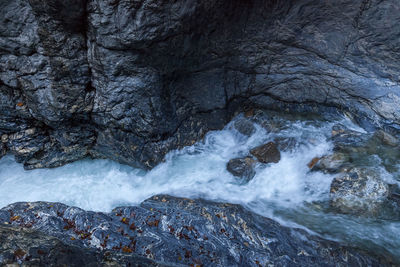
(286, 191)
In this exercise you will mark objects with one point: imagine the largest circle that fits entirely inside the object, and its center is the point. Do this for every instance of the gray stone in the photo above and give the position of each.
(242, 167)
(267, 153)
(27, 247)
(360, 191)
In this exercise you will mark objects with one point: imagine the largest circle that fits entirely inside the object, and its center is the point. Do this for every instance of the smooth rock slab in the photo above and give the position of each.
(185, 231)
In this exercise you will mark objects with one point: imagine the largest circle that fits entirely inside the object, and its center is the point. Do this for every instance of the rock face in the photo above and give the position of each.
(242, 167)
(27, 247)
(131, 80)
(267, 153)
(170, 230)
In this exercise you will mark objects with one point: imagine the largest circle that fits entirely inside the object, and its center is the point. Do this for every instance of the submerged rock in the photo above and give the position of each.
(331, 163)
(242, 167)
(267, 153)
(182, 231)
(360, 191)
(286, 143)
(387, 138)
(244, 126)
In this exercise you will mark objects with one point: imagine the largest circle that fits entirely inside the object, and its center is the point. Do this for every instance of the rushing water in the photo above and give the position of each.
(286, 191)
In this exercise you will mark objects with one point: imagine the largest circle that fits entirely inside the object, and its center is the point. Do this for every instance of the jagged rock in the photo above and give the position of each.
(244, 126)
(183, 231)
(27, 247)
(360, 191)
(144, 82)
(242, 167)
(267, 153)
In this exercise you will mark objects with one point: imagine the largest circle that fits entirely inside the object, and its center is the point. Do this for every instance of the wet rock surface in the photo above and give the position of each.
(171, 230)
(345, 139)
(28, 247)
(360, 191)
(130, 81)
(242, 167)
(267, 153)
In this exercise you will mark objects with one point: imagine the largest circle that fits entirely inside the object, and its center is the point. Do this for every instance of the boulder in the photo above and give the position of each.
(267, 153)
(359, 191)
(242, 167)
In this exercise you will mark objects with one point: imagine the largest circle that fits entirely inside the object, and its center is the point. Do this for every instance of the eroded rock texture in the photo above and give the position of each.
(27, 247)
(130, 80)
(180, 231)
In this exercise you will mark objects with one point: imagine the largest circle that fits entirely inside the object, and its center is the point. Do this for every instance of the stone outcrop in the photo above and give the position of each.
(131, 80)
(174, 231)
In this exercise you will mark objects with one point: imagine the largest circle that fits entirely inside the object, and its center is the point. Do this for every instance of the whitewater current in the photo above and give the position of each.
(286, 191)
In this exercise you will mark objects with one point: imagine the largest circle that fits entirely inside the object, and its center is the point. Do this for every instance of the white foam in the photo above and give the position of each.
(277, 190)
(196, 171)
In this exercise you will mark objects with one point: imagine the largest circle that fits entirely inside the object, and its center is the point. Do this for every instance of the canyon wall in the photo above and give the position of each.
(131, 80)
